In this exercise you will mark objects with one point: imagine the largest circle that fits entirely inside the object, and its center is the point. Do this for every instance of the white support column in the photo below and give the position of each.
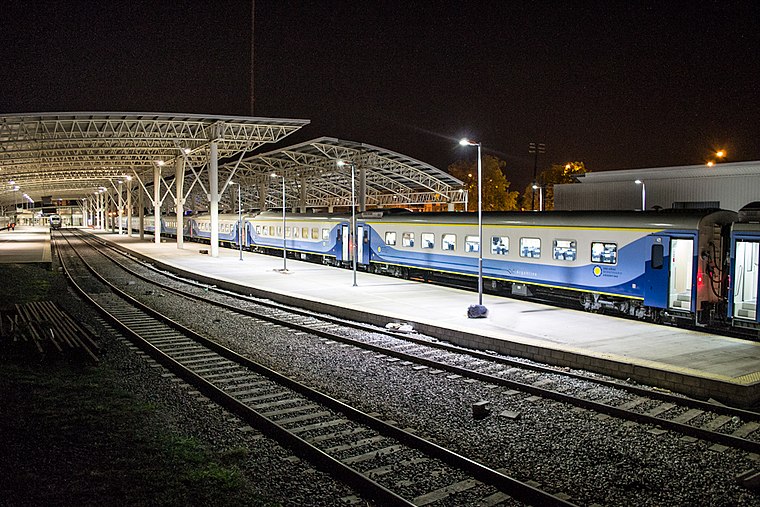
(213, 188)
(84, 213)
(157, 204)
(101, 212)
(121, 205)
(129, 206)
(141, 212)
(179, 180)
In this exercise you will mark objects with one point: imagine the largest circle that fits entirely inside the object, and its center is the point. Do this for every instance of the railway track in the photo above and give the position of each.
(389, 464)
(712, 422)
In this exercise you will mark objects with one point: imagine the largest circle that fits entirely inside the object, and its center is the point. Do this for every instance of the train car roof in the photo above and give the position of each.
(662, 219)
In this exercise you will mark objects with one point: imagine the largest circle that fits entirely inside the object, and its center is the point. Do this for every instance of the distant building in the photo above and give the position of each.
(728, 185)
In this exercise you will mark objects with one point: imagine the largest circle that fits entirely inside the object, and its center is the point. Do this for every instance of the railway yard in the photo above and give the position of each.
(321, 410)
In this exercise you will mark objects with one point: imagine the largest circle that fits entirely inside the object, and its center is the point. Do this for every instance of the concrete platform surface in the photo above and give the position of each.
(25, 244)
(699, 364)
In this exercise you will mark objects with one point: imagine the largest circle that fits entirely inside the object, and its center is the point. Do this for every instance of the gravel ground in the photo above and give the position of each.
(593, 458)
(270, 471)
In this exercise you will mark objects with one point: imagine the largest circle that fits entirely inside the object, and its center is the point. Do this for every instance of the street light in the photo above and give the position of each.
(479, 310)
(240, 221)
(352, 236)
(643, 194)
(540, 196)
(284, 245)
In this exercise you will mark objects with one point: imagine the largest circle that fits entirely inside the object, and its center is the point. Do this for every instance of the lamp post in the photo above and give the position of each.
(643, 194)
(352, 236)
(480, 310)
(240, 221)
(540, 196)
(284, 245)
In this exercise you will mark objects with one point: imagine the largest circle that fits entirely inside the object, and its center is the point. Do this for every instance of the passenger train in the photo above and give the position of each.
(698, 267)
(55, 221)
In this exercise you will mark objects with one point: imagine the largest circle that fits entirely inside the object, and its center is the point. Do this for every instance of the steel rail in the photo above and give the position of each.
(513, 487)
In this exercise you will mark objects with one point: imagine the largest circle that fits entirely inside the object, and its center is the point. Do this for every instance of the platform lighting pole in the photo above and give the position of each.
(535, 149)
(352, 236)
(240, 221)
(480, 310)
(540, 196)
(643, 194)
(284, 244)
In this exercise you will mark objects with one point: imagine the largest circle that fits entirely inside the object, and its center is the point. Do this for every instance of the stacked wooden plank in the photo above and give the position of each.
(45, 324)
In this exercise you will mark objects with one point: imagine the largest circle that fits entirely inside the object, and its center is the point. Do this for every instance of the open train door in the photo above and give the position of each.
(744, 277)
(681, 274)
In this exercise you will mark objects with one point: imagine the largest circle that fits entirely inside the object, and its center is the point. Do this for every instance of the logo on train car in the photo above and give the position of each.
(597, 271)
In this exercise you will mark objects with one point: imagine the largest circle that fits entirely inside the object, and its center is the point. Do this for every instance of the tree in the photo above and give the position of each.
(496, 194)
(556, 174)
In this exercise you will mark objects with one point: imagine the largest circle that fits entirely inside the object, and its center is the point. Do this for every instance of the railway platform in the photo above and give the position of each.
(25, 244)
(701, 365)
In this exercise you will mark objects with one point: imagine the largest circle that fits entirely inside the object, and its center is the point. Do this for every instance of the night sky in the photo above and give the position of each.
(615, 84)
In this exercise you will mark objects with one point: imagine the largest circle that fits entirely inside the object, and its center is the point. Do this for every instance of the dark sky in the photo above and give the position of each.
(615, 84)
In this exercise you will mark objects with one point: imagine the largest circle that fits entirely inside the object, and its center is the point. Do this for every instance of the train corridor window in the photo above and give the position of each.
(449, 242)
(471, 243)
(390, 238)
(428, 240)
(564, 250)
(499, 245)
(530, 247)
(407, 239)
(325, 233)
(314, 233)
(604, 253)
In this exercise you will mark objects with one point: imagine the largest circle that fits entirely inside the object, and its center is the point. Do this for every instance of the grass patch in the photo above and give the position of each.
(71, 437)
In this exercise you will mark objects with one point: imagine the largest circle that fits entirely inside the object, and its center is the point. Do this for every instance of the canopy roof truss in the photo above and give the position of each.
(391, 179)
(68, 154)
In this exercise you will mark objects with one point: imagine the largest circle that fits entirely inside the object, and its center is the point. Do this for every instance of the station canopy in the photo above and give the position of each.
(69, 155)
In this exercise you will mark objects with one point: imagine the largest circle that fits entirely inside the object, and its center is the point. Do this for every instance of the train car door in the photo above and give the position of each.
(745, 279)
(360, 244)
(680, 287)
(345, 243)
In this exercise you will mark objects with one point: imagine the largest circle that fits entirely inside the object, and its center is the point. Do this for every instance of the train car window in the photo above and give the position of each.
(390, 238)
(565, 250)
(305, 232)
(604, 253)
(407, 239)
(314, 233)
(428, 240)
(287, 232)
(258, 230)
(449, 242)
(296, 232)
(658, 256)
(471, 243)
(272, 230)
(325, 233)
(499, 245)
(530, 247)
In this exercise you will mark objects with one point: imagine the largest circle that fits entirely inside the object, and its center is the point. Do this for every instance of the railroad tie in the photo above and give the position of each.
(44, 322)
